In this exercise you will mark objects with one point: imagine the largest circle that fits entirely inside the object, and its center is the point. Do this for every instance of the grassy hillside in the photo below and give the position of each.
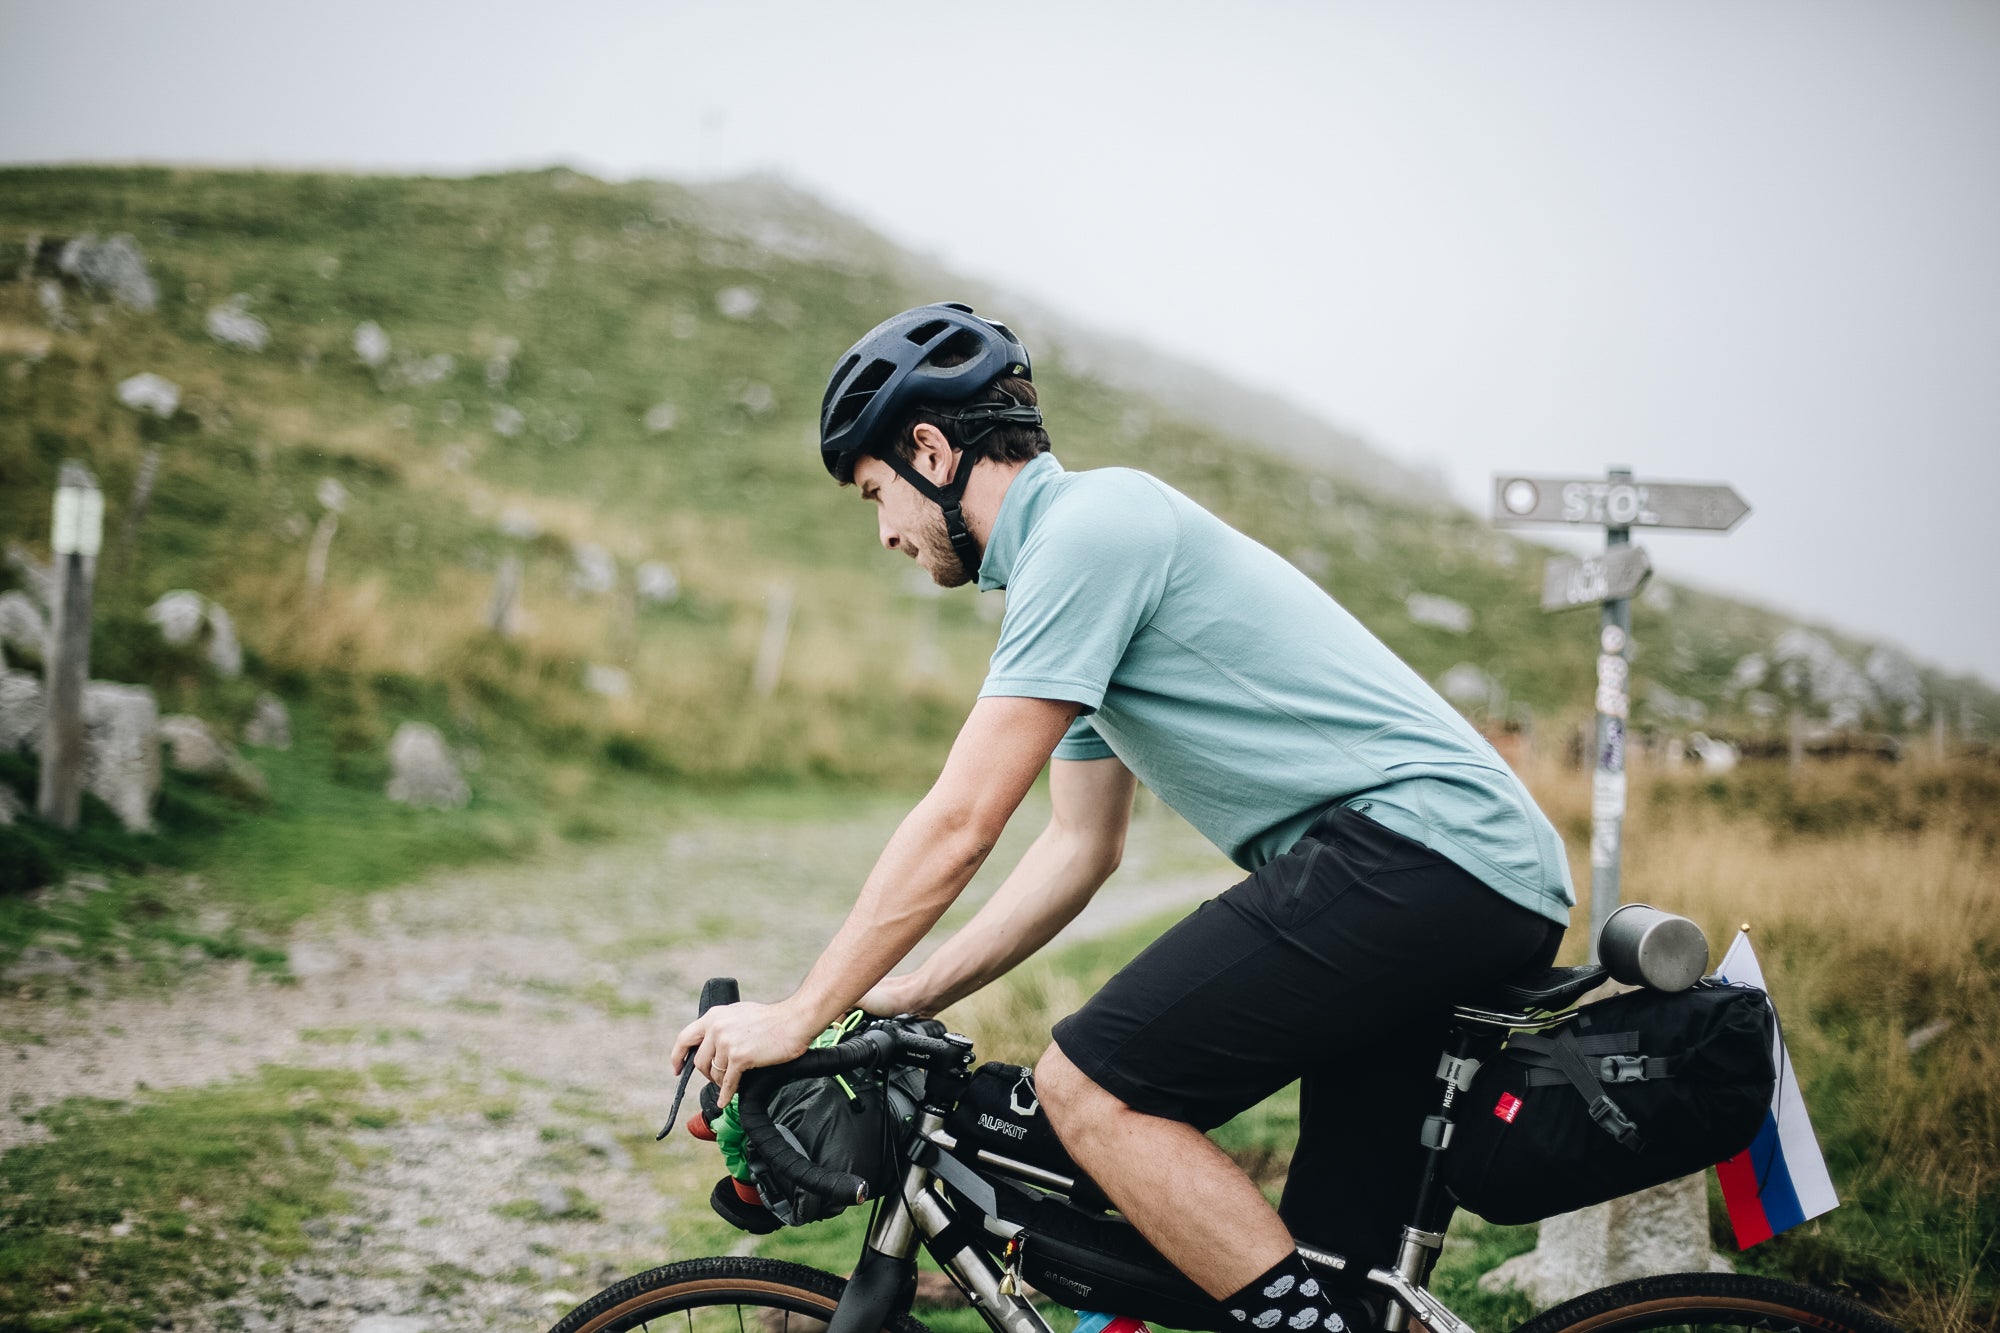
(535, 321)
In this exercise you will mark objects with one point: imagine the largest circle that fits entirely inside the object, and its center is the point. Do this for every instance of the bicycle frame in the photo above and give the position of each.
(920, 1213)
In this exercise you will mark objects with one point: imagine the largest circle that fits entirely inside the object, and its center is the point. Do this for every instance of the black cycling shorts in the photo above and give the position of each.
(1335, 964)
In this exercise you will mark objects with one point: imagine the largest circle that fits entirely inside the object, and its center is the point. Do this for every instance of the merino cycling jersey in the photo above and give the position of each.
(1238, 690)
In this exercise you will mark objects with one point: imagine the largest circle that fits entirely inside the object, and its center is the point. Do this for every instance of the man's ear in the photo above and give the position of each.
(935, 458)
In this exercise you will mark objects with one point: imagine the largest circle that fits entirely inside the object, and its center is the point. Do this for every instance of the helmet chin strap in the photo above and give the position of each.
(948, 498)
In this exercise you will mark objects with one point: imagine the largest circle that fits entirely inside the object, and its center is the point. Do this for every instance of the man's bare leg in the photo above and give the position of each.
(1181, 1191)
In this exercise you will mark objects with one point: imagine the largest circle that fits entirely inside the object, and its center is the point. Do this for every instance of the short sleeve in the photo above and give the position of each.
(1081, 741)
(1088, 577)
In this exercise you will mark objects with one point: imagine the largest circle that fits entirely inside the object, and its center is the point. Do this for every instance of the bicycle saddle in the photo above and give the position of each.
(1543, 988)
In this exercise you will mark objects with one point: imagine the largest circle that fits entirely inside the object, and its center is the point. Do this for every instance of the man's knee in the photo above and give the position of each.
(1066, 1093)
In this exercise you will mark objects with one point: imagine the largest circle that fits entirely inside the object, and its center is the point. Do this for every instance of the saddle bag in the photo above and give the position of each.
(1000, 1112)
(1636, 1090)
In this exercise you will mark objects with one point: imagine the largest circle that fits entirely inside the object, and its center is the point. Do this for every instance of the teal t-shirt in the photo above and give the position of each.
(1235, 688)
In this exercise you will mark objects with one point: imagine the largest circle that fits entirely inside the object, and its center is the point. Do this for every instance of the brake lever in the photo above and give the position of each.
(714, 991)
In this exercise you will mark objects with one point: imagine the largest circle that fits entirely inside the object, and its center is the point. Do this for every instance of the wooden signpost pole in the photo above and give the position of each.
(79, 534)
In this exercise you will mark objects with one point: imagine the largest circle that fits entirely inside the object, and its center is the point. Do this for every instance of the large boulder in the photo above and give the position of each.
(121, 750)
(232, 325)
(1660, 1230)
(21, 622)
(39, 579)
(147, 392)
(422, 771)
(270, 725)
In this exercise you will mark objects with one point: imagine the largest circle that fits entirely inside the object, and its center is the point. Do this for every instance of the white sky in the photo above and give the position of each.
(1754, 241)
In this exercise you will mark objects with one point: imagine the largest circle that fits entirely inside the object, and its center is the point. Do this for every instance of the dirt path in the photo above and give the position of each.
(517, 1018)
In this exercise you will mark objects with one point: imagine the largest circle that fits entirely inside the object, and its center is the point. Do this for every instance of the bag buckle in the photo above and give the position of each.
(1613, 1121)
(1622, 1069)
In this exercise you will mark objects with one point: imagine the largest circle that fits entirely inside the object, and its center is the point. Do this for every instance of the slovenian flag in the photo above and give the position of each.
(1780, 1180)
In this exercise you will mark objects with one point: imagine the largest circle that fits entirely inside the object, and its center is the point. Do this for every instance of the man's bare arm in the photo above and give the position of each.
(1091, 806)
(927, 864)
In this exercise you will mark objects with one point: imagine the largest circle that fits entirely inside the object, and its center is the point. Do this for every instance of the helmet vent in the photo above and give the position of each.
(923, 333)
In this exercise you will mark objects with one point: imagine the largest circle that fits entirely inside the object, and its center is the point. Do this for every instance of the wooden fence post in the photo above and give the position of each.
(79, 534)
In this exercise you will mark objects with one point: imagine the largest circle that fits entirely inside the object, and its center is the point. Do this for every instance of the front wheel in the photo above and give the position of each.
(1707, 1301)
(722, 1295)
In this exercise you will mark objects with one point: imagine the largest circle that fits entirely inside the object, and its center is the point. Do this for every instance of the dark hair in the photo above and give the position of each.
(1005, 442)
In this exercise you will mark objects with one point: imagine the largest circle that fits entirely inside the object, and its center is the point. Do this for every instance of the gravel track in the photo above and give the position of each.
(528, 1010)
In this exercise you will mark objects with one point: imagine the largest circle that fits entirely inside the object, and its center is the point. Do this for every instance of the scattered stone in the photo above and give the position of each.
(390, 1323)
(225, 653)
(600, 1141)
(1809, 665)
(233, 326)
(179, 614)
(331, 495)
(311, 1292)
(595, 572)
(193, 746)
(1897, 683)
(551, 1200)
(737, 302)
(508, 420)
(1749, 672)
(371, 344)
(1660, 1230)
(519, 524)
(20, 711)
(50, 294)
(1439, 612)
(35, 963)
(21, 622)
(270, 725)
(608, 681)
(657, 583)
(1465, 684)
(116, 266)
(1716, 756)
(121, 750)
(422, 772)
(662, 417)
(1915, 1042)
(150, 393)
(757, 397)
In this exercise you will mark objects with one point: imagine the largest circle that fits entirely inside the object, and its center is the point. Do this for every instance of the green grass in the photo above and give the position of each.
(128, 1209)
(607, 296)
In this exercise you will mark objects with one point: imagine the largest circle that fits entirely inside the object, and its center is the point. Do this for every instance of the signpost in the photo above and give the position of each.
(1618, 503)
(1662, 1229)
(78, 535)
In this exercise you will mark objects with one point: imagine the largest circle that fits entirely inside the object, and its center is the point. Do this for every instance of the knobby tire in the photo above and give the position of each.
(1708, 1301)
(698, 1296)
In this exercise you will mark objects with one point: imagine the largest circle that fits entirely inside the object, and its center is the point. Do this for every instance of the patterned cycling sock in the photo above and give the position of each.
(1290, 1298)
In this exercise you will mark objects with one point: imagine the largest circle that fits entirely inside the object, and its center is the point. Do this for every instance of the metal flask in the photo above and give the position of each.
(1643, 946)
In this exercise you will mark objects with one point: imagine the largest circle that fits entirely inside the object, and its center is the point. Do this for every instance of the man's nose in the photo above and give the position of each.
(887, 533)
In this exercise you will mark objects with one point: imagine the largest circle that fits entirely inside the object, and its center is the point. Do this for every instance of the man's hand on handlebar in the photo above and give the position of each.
(730, 1040)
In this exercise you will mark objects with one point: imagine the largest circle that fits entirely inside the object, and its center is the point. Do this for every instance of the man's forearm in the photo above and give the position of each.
(1052, 883)
(926, 865)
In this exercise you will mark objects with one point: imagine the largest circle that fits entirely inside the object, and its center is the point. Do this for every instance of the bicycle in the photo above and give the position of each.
(993, 1222)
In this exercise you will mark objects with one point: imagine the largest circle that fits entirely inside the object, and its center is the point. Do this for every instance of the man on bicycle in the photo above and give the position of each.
(1395, 863)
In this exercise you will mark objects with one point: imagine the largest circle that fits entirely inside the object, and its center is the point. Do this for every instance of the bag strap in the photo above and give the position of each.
(1562, 1051)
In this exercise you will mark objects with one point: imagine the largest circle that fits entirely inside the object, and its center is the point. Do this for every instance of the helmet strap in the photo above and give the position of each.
(948, 498)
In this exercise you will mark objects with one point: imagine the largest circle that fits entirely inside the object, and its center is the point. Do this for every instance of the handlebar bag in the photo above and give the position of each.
(846, 1123)
(999, 1111)
(1634, 1091)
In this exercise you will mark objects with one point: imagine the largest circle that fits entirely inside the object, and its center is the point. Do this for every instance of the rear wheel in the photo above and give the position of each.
(720, 1295)
(1713, 1301)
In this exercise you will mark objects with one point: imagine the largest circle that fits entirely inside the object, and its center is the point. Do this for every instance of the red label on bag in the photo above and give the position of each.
(1507, 1107)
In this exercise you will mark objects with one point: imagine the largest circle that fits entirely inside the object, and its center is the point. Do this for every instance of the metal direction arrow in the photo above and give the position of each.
(1710, 507)
(1569, 582)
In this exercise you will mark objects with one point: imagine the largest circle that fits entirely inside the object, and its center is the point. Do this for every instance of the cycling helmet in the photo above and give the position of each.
(892, 371)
